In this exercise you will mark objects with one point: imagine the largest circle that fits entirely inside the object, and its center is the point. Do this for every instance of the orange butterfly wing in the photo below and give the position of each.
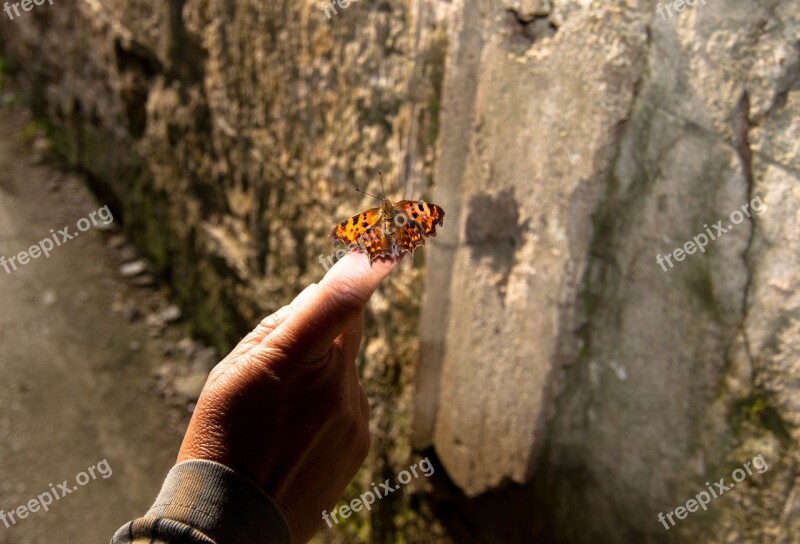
(409, 236)
(422, 220)
(363, 232)
(426, 214)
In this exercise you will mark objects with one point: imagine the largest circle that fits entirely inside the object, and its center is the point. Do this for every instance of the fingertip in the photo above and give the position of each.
(355, 270)
(328, 308)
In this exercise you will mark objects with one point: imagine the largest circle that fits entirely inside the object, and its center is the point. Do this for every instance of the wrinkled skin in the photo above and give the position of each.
(285, 407)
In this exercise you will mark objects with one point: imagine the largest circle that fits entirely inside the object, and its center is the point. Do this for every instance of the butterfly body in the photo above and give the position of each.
(391, 229)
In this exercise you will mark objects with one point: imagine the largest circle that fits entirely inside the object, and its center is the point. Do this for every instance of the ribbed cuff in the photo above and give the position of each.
(220, 503)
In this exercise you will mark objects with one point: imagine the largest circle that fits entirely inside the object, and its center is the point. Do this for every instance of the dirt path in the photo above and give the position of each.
(76, 378)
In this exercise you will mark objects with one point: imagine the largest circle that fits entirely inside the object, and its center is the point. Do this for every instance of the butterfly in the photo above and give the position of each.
(391, 229)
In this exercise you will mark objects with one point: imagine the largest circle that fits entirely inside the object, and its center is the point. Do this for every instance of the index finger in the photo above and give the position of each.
(330, 306)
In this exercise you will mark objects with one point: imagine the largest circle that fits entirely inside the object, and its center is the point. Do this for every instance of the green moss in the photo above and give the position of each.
(757, 412)
(33, 129)
(433, 66)
(701, 285)
(603, 228)
(61, 144)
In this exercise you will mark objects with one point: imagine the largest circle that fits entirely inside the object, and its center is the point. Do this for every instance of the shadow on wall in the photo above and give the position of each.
(494, 232)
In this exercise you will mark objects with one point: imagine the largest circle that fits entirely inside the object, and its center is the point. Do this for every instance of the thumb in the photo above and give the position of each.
(330, 307)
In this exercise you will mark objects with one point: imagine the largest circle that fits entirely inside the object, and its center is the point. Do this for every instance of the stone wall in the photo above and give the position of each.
(570, 388)
(228, 137)
(577, 389)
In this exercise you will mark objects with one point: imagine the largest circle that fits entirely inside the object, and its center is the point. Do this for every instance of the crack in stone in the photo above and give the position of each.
(741, 126)
(711, 134)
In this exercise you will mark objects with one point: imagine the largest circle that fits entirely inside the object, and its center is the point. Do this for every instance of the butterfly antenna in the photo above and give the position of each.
(368, 194)
(383, 191)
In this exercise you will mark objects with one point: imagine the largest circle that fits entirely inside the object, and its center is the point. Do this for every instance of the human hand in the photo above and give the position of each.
(285, 407)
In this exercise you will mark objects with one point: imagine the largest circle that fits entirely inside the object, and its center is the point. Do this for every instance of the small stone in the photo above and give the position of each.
(135, 345)
(41, 145)
(49, 298)
(154, 321)
(186, 345)
(116, 241)
(41, 150)
(163, 372)
(134, 268)
(190, 386)
(171, 314)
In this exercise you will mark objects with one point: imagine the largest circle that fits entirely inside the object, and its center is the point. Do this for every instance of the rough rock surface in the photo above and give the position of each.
(580, 140)
(227, 136)
(563, 374)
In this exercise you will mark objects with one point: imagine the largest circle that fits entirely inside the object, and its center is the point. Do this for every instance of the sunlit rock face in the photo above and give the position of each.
(562, 365)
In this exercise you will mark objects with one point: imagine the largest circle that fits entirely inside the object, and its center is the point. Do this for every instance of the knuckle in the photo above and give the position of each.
(347, 297)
